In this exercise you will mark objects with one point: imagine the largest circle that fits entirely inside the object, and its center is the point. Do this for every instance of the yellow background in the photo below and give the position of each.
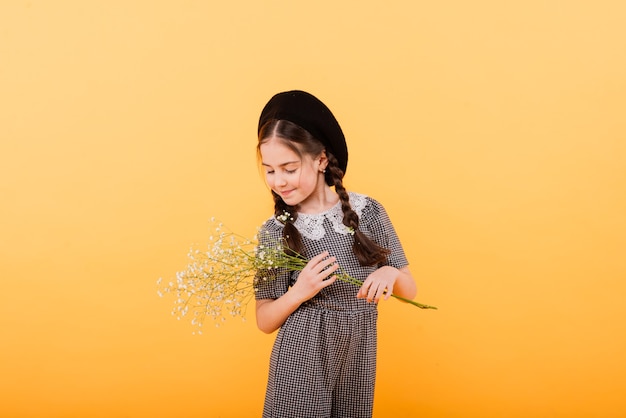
(494, 133)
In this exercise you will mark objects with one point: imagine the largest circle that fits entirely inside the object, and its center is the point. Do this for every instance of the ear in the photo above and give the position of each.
(323, 159)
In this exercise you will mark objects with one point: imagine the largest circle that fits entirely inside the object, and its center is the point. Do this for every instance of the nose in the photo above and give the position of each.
(279, 179)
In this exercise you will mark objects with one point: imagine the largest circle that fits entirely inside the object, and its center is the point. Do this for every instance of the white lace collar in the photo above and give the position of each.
(312, 225)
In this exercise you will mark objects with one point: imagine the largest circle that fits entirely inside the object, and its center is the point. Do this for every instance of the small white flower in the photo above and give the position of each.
(285, 217)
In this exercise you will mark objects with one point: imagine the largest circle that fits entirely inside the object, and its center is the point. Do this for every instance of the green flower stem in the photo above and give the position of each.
(412, 302)
(297, 263)
(348, 279)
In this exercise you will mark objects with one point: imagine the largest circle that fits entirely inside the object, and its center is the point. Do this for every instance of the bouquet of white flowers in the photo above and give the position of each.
(221, 280)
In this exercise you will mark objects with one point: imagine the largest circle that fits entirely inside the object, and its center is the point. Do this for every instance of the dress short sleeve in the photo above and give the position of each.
(271, 284)
(376, 224)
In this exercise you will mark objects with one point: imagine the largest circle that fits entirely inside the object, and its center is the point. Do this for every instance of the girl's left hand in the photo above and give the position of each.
(378, 284)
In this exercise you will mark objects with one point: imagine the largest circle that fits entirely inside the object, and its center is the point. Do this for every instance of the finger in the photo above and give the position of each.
(377, 292)
(372, 295)
(328, 270)
(369, 292)
(316, 264)
(327, 266)
(315, 260)
(327, 262)
(329, 281)
(362, 293)
(380, 293)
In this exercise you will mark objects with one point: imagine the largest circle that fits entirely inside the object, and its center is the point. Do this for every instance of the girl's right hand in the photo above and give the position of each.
(315, 276)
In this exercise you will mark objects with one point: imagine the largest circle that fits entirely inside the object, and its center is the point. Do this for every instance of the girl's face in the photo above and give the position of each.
(295, 179)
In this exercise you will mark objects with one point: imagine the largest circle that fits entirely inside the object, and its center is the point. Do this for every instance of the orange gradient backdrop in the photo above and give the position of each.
(493, 132)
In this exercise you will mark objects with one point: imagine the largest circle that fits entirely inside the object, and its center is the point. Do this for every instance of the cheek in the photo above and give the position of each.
(308, 180)
(269, 181)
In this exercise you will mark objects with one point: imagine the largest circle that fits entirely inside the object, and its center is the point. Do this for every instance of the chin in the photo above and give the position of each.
(291, 202)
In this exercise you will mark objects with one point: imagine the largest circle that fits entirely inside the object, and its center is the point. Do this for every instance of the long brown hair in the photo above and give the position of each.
(303, 143)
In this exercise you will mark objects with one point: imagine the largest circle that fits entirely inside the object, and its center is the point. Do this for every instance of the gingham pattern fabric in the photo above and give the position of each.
(323, 363)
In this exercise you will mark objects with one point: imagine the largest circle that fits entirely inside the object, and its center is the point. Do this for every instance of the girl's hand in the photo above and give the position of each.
(378, 284)
(315, 276)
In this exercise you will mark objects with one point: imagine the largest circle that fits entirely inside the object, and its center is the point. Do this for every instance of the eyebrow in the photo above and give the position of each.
(281, 165)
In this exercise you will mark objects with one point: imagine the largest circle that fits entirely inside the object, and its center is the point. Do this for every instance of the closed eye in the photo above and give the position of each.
(285, 170)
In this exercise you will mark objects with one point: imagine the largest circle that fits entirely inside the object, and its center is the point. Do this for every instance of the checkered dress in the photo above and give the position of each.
(323, 363)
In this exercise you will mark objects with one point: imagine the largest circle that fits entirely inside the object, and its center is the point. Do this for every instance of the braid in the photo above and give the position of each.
(366, 251)
(291, 236)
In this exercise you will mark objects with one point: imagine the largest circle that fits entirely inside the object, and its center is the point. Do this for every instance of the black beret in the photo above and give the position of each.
(308, 112)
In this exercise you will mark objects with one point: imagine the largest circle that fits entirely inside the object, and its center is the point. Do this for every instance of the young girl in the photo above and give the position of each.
(323, 362)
